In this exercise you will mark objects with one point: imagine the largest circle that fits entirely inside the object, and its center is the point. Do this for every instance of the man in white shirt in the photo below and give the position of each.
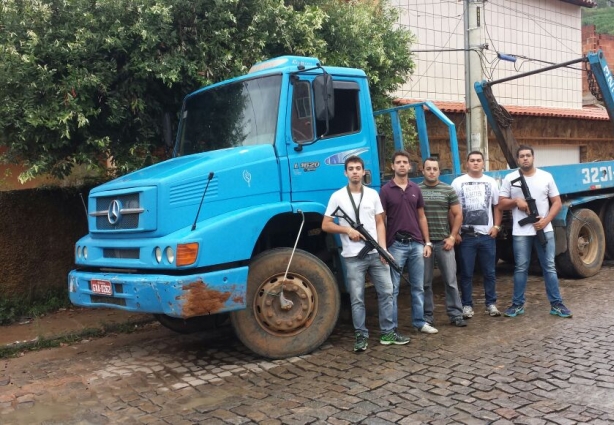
(479, 196)
(543, 189)
(362, 204)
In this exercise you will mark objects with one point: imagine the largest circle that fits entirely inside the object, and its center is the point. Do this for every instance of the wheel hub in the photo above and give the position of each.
(585, 249)
(269, 312)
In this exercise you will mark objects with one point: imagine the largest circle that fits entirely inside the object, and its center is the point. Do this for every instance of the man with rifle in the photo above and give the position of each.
(361, 206)
(534, 199)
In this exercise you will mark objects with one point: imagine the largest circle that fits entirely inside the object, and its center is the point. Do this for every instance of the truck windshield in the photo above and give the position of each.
(238, 114)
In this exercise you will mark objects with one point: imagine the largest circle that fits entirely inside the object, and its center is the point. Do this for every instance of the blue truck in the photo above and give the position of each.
(232, 223)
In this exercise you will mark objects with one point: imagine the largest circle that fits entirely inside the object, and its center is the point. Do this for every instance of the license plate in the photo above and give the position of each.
(102, 287)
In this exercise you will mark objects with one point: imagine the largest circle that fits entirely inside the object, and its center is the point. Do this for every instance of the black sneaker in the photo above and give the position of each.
(458, 322)
(361, 343)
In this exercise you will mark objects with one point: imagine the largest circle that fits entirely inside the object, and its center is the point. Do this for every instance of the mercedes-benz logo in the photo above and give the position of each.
(114, 214)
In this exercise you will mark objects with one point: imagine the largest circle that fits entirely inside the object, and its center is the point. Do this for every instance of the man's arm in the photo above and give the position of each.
(506, 203)
(455, 215)
(424, 229)
(555, 207)
(329, 226)
(381, 230)
(505, 200)
(497, 216)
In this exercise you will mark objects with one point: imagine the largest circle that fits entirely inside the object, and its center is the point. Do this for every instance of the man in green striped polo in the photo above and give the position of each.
(441, 207)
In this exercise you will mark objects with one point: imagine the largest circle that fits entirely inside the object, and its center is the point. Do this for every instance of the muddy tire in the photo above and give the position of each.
(608, 225)
(191, 325)
(270, 331)
(585, 245)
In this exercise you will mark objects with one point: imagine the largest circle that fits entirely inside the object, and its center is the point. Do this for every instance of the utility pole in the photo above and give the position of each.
(475, 119)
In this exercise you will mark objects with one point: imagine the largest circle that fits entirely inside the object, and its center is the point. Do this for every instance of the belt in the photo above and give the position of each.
(402, 239)
(473, 234)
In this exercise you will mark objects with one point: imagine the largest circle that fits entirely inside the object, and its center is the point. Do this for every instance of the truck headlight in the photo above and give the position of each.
(170, 254)
(158, 254)
(187, 253)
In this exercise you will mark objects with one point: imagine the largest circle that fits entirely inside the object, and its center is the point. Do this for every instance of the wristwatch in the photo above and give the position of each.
(429, 244)
(498, 228)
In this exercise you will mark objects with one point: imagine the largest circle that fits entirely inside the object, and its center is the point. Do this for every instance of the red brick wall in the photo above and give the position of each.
(592, 41)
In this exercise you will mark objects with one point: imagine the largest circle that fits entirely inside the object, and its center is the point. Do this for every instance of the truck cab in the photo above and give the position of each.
(212, 230)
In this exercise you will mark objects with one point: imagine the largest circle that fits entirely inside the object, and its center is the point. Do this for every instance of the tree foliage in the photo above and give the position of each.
(82, 81)
(602, 17)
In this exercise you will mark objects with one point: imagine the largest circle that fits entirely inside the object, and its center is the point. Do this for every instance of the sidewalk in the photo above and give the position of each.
(65, 322)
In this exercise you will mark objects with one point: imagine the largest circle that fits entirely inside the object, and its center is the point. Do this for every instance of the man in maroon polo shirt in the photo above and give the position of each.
(407, 236)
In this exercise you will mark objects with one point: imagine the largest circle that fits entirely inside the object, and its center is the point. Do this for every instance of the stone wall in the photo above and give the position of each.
(592, 41)
(38, 230)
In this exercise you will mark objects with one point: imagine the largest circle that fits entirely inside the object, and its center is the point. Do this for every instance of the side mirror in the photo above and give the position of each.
(167, 129)
(324, 97)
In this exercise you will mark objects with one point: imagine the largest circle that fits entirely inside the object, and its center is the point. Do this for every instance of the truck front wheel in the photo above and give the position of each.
(274, 332)
(585, 245)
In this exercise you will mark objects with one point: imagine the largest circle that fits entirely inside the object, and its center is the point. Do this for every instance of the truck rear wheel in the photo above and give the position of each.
(270, 331)
(585, 245)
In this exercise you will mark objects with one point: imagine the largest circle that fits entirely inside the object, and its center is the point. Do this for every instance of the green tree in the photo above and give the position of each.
(82, 81)
(602, 17)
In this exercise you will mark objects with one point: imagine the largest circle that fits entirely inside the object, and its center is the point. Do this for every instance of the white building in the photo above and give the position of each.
(536, 32)
(541, 30)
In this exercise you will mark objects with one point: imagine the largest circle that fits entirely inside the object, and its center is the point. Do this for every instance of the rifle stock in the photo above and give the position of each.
(370, 243)
(533, 216)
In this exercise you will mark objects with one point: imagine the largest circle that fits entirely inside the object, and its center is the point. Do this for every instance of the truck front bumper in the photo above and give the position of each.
(176, 296)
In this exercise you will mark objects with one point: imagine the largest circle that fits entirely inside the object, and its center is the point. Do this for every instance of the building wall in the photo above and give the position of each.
(591, 41)
(594, 139)
(543, 30)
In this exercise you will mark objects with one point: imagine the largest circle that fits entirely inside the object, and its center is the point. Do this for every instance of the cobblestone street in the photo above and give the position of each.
(533, 369)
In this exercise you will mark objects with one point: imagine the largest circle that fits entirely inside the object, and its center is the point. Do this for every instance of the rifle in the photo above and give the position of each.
(533, 213)
(370, 243)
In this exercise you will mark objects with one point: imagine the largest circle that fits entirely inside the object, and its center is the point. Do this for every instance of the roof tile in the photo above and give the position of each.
(595, 113)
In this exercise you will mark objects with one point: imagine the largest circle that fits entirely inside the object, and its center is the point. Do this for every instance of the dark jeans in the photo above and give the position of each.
(483, 248)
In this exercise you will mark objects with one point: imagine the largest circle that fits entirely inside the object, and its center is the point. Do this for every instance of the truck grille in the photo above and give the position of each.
(129, 210)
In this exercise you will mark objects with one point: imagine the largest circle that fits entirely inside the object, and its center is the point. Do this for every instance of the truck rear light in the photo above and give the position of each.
(187, 253)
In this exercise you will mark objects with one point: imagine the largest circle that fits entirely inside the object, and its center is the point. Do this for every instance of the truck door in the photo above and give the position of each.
(316, 154)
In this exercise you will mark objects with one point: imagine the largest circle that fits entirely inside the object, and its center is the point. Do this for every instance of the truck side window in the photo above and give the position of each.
(346, 119)
(302, 117)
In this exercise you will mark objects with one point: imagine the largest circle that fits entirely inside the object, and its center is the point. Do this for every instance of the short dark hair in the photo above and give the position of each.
(430, 158)
(475, 153)
(524, 148)
(354, 158)
(400, 153)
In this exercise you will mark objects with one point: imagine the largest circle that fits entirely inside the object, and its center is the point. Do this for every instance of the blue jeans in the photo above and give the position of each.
(522, 257)
(482, 247)
(446, 262)
(412, 255)
(356, 269)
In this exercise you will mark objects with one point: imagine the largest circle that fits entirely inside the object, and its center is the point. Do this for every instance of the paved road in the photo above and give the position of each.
(534, 369)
